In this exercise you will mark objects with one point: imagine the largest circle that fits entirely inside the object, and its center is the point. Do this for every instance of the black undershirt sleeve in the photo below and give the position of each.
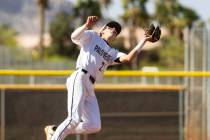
(117, 60)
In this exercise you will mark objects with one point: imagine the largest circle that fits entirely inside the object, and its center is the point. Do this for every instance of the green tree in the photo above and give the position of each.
(43, 5)
(173, 15)
(7, 36)
(135, 15)
(135, 12)
(172, 54)
(189, 15)
(105, 3)
(85, 8)
(60, 31)
(63, 25)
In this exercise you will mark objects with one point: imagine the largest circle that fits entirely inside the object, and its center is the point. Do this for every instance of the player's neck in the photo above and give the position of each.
(106, 40)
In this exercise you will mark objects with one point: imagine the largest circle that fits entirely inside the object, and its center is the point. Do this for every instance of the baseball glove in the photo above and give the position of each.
(153, 33)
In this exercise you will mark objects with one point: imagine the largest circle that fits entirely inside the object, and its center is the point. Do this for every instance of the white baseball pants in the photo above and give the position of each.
(83, 111)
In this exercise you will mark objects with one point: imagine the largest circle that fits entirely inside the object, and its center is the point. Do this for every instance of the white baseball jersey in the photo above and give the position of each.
(95, 54)
(83, 111)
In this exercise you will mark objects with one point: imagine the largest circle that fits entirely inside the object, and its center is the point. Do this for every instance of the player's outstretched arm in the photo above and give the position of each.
(133, 53)
(77, 34)
(152, 34)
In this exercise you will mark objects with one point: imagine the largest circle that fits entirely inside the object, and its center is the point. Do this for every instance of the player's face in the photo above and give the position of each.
(109, 33)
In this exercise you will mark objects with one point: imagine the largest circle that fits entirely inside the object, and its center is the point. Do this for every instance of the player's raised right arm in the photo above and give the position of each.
(78, 33)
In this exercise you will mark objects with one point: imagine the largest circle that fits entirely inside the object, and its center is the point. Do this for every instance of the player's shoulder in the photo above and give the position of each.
(92, 32)
(113, 51)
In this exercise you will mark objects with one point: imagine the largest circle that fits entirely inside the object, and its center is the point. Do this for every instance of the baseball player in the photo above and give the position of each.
(95, 56)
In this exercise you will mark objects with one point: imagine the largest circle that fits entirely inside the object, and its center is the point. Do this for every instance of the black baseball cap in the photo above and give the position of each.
(114, 24)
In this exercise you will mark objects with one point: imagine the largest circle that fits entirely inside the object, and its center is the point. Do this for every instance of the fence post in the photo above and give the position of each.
(32, 80)
(77, 136)
(181, 122)
(204, 84)
(2, 114)
(186, 79)
(85, 136)
(208, 82)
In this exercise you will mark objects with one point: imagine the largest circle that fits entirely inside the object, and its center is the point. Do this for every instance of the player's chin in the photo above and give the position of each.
(112, 38)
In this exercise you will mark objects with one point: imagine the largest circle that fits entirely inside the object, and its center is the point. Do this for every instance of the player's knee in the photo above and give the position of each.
(96, 128)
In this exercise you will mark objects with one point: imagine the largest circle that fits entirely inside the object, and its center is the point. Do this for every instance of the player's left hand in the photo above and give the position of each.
(152, 33)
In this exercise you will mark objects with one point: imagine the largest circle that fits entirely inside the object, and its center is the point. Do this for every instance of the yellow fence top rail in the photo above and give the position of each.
(107, 73)
(106, 87)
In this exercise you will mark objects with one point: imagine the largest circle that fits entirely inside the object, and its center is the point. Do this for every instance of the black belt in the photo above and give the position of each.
(91, 78)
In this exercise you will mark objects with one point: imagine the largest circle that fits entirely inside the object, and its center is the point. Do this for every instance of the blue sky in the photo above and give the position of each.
(200, 6)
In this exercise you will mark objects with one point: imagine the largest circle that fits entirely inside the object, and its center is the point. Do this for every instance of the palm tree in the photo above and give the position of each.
(105, 3)
(173, 15)
(135, 15)
(135, 12)
(42, 5)
(85, 8)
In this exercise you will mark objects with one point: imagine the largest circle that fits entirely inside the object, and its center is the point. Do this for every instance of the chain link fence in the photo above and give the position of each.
(197, 58)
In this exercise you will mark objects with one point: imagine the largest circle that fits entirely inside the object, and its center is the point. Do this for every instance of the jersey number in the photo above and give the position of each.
(102, 65)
